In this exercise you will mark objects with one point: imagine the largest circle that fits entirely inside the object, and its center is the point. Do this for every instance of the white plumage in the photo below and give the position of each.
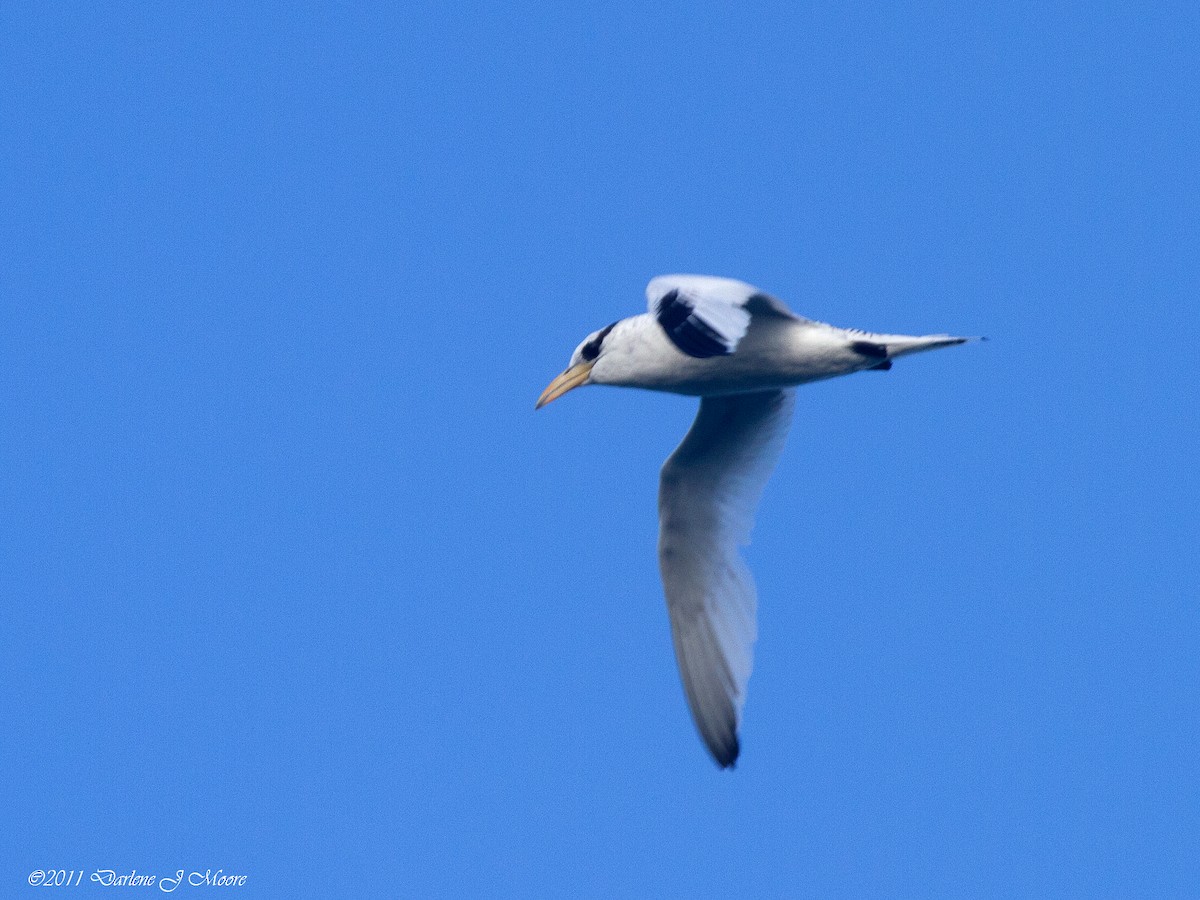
(742, 352)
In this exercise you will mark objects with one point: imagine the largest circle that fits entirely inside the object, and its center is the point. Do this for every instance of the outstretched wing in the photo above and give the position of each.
(709, 489)
(706, 316)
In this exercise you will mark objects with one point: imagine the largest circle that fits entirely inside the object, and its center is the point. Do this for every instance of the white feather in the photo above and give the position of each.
(709, 489)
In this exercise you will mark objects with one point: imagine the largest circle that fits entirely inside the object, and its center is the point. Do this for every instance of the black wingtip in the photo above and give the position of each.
(870, 348)
(726, 756)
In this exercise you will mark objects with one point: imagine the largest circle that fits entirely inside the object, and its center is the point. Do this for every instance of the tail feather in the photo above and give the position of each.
(904, 344)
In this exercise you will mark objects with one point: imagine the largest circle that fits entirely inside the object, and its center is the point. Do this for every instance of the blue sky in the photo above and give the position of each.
(296, 584)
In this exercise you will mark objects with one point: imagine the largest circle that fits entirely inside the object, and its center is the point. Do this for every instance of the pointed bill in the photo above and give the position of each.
(568, 380)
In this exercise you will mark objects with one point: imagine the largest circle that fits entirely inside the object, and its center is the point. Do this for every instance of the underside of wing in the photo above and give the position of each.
(705, 316)
(709, 489)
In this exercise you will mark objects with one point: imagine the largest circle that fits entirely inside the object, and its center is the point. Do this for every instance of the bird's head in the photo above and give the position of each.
(580, 369)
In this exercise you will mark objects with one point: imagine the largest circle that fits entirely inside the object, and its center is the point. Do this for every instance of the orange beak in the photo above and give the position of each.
(567, 381)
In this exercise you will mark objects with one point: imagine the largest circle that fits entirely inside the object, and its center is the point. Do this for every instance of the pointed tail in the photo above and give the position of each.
(904, 344)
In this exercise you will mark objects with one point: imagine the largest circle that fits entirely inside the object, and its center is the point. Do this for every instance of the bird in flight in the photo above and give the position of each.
(742, 352)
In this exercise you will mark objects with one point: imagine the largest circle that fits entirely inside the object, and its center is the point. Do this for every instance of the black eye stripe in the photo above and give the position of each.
(592, 348)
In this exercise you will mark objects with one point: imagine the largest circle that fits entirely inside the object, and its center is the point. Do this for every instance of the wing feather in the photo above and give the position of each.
(705, 316)
(708, 491)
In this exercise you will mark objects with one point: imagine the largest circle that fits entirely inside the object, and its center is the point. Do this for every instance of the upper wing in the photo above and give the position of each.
(710, 486)
(706, 316)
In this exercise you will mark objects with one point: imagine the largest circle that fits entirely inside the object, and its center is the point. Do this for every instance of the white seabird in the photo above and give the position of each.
(741, 351)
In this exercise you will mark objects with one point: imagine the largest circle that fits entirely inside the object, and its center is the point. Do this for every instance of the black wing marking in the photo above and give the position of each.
(687, 331)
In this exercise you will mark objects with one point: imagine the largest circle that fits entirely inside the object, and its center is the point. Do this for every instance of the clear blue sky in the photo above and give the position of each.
(296, 584)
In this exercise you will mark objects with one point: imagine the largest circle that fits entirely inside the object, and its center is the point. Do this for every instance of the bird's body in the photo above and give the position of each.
(742, 352)
(780, 353)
